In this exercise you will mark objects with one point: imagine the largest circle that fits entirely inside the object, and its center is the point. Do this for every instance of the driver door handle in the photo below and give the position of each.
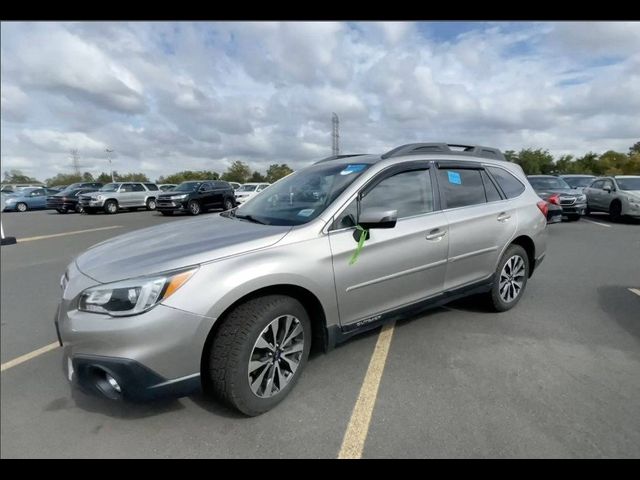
(436, 234)
(503, 217)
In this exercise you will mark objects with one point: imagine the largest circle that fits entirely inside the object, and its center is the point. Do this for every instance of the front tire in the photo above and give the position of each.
(79, 208)
(615, 210)
(111, 207)
(194, 207)
(259, 352)
(151, 204)
(228, 204)
(510, 279)
(22, 207)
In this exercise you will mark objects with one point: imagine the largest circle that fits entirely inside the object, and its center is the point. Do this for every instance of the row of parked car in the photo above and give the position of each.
(191, 197)
(572, 196)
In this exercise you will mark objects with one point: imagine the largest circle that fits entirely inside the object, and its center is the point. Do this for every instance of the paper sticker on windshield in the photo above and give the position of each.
(358, 167)
(454, 177)
(306, 212)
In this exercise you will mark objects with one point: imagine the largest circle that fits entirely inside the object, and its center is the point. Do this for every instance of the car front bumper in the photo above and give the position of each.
(153, 354)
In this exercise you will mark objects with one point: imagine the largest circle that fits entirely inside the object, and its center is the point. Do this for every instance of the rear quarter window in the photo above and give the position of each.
(510, 185)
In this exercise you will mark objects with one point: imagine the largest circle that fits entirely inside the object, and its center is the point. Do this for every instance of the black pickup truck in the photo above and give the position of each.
(194, 197)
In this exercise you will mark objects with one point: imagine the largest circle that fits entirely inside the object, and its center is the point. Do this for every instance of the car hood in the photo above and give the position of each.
(174, 245)
(635, 194)
(565, 192)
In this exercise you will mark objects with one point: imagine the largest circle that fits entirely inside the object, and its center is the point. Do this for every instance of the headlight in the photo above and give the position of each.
(10, 200)
(131, 297)
(582, 198)
(179, 197)
(99, 197)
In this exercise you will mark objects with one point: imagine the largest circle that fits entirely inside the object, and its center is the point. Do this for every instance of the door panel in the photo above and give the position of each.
(396, 266)
(477, 235)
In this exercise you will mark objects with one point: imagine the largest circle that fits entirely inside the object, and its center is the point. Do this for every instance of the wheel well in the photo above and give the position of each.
(615, 200)
(308, 300)
(529, 247)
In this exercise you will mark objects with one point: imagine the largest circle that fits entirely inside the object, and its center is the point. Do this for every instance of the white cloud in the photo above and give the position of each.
(172, 96)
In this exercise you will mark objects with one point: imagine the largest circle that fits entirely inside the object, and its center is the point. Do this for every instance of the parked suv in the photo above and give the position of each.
(556, 190)
(618, 195)
(197, 196)
(249, 190)
(115, 196)
(234, 302)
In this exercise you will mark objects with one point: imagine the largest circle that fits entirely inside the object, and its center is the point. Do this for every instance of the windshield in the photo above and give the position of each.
(629, 183)
(247, 188)
(110, 187)
(544, 183)
(301, 196)
(578, 182)
(187, 187)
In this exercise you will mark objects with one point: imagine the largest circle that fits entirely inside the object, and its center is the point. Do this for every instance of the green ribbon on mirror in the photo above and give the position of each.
(363, 236)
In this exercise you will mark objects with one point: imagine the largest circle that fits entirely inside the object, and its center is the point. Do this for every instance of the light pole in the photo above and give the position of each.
(109, 156)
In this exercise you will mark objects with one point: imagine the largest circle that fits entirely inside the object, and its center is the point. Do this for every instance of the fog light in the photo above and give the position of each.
(113, 383)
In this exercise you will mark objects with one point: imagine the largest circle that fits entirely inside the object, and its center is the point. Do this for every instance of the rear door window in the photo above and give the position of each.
(461, 187)
(493, 195)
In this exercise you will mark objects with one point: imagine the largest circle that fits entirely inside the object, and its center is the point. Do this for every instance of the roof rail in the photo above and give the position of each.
(336, 157)
(445, 148)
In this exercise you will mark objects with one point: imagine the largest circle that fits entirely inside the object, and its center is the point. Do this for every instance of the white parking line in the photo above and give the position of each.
(356, 434)
(28, 356)
(635, 290)
(597, 223)
(75, 232)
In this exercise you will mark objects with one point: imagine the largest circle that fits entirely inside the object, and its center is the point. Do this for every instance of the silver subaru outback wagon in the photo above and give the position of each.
(233, 303)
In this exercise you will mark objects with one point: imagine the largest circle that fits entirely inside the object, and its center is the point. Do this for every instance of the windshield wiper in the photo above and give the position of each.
(250, 218)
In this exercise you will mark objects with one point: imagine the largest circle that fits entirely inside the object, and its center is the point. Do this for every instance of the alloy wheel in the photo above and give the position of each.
(276, 356)
(512, 278)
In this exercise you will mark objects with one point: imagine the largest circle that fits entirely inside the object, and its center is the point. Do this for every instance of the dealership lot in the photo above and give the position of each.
(558, 376)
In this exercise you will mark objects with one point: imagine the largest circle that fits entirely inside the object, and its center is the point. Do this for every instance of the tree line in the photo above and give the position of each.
(532, 161)
(237, 172)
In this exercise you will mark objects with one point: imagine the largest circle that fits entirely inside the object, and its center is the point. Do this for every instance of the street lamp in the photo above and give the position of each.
(109, 157)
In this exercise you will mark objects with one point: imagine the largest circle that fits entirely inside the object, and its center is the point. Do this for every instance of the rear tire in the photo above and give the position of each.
(228, 204)
(110, 207)
(243, 364)
(615, 210)
(510, 279)
(79, 208)
(151, 204)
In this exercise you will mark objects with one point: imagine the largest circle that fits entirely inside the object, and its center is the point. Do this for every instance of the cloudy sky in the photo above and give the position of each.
(174, 96)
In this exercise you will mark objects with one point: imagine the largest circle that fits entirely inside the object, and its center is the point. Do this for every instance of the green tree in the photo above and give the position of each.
(237, 172)
(63, 179)
(16, 176)
(566, 164)
(635, 148)
(613, 163)
(131, 177)
(588, 163)
(257, 177)
(186, 175)
(275, 172)
(87, 177)
(535, 161)
(511, 155)
(104, 177)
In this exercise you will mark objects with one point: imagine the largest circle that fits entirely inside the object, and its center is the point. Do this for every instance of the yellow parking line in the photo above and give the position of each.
(75, 232)
(636, 291)
(356, 434)
(28, 356)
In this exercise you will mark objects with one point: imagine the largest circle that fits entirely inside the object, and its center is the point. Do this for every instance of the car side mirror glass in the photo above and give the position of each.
(378, 218)
(607, 189)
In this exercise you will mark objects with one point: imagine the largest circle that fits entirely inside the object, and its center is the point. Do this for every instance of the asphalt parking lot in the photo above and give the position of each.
(558, 376)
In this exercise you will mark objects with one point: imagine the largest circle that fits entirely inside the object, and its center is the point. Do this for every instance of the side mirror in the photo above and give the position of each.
(607, 189)
(378, 218)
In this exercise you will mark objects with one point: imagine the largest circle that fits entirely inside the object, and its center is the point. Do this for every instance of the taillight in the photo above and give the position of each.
(555, 199)
(544, 207)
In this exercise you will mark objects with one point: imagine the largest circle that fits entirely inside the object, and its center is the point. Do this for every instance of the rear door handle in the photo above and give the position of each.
(503, 217)
(436, 234)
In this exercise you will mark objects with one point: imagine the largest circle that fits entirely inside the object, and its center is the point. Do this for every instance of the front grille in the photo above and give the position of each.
(161, 202)
(567, 200)
(53, 202)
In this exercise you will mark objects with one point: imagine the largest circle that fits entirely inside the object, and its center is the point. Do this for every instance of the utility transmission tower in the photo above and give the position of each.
(75, 160)
(335, 134)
